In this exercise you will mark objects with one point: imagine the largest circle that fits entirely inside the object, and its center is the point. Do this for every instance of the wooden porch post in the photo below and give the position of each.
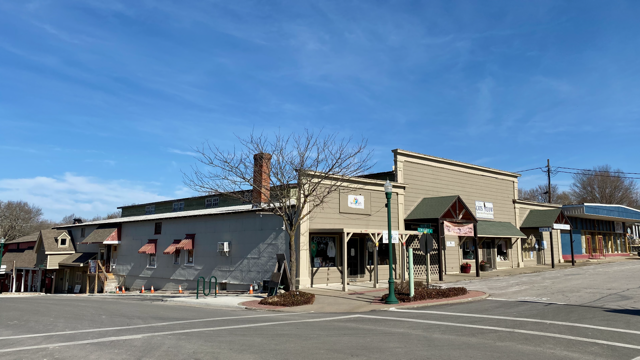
(441, 250)
(86, 289)
(475, 246)
(345, 237)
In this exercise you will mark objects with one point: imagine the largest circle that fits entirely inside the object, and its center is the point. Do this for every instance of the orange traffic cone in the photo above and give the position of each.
(180, 289)
(250, 289)
(152, 291)
(123, 289)
(117, 289)
(216, 289)
(142, 290)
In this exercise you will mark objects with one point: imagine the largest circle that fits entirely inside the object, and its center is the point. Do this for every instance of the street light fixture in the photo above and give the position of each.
(391, 299)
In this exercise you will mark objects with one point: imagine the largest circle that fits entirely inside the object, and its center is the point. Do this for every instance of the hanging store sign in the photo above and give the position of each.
(562, 226)
(93, 265)
(355, 201)
(619, 227)
(545, 229)
(458, 229)
(394, 236)
(484, 210)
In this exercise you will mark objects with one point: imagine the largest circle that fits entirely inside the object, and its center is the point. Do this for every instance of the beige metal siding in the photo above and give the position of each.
(55, 259)
(430, 181)
(330, 217)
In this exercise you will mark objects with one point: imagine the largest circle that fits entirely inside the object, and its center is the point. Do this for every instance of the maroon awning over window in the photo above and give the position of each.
(148, 248)
(172, 248)
(187, 242)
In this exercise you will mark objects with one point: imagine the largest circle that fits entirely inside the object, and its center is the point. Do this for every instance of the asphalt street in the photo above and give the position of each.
(52, 327)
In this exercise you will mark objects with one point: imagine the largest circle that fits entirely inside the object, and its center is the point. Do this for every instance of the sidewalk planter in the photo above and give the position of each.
(485, 267)
(465, 268)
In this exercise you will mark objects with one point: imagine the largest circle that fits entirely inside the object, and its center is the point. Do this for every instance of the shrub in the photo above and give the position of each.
(290, 298)
(424, 293)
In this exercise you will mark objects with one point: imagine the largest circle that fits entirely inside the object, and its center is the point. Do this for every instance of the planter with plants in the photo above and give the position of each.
(465, 268)
(484, 266)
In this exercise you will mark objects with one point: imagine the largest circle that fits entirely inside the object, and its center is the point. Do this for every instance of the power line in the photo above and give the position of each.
(601, 175)
(591, 170)
(528, 170)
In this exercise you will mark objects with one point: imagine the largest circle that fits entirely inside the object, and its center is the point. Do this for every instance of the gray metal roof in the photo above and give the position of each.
(540, 218)
(431, 208)
(498, 229)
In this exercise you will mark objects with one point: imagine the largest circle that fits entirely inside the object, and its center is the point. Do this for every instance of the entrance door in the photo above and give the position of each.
(356, 256)
(488, 246)
(114, 256)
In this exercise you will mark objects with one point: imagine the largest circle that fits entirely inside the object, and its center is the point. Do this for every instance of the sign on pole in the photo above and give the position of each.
(562, 226)
(545, 229)
(426, 243)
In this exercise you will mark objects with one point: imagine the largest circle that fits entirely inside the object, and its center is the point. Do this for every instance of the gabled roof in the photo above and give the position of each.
(26, 238)
(23, 259)
(438, 207)
(540, 218)
(498, 229)
(47, 239)
(99, 235)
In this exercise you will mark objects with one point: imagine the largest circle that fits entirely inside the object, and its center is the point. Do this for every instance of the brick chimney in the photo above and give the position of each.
(261, 177)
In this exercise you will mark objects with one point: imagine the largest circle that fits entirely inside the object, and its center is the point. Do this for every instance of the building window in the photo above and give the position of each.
(158, 229)
(529, 248)
(62, 242)
(211, 202)
(468, 251)
(151, 263)
(82, 232)
(178, 206)
(502, 249)
(188, 257)
(149, 209)
(176, 257)
(247, 196)
(323, 251)
(383, 254)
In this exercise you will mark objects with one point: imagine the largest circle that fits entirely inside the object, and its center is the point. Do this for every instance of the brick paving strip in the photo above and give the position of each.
(373, 305)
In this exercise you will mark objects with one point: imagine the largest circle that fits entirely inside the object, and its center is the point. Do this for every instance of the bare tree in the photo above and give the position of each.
(71, 217)
(604, 185)
(540, 194)
(19, 218)
(304, 170)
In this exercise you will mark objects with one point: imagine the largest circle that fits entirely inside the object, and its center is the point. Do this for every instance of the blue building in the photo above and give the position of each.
(599, 230)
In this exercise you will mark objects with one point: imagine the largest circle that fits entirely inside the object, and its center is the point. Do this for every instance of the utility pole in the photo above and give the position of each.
(553, 262)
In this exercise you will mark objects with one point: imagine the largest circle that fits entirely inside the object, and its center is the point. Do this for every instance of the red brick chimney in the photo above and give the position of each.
(261, 177)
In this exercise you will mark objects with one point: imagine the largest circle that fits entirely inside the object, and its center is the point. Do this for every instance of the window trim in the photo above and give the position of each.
(176, 256)
(193, 257)
(149, 209)
(214, 202)
(83, 232)
(66, 241)
(180, 206)
(155, 228)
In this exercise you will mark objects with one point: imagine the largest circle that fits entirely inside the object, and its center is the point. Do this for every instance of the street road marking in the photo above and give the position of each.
(136, 326)
(129, 337)
(603, 342)
(528, 300)
(521, 319)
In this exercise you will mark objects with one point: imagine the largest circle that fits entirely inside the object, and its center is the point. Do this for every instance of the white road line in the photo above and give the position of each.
(129, 337)
(137, 326)
(526, 300)
(520, 319)
(528, 332)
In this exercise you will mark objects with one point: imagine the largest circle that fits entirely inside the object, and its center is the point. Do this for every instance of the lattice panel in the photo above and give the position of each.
(420, 260)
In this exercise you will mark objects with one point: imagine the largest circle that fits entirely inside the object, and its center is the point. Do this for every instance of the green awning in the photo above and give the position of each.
(447, 207)
(498, 229)
(540, 218)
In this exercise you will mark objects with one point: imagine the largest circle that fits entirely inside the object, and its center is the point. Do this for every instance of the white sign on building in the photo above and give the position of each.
(356, 201)
(484, 210)
(394, 235)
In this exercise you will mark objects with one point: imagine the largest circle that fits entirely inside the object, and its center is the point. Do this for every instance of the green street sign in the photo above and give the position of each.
(425, 230)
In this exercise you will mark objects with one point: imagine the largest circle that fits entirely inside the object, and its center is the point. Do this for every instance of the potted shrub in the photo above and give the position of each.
(484, 266)
(465, 268)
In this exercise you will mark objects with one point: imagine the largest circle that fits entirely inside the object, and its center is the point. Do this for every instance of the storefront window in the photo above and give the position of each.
(501, 249)
(529, 248)
(370, 251)
(323, 251)
(383, 254)
(468, 252)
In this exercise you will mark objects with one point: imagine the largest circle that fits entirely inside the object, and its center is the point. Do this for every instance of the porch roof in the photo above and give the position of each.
(498, 229)
(540, 218)
(101, 234)
(23, 259)
(442, 207)
(77, 259)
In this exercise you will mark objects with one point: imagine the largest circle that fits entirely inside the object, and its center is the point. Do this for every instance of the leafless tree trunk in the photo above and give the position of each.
(604, 185)
(305, 170)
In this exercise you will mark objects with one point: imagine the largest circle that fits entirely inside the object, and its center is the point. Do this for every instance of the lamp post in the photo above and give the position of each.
(1, 251)
(391, 299)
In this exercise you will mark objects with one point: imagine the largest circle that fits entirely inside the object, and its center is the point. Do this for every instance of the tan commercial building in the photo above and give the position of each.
(447, 196)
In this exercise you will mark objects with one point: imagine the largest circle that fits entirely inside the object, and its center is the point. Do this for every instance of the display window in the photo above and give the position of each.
(529, 248)
(323, 249)
(502, 250)
(468, 250)
(383, 254)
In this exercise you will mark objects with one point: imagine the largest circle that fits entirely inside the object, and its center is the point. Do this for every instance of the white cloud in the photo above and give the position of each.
(84, 196)
(190, 153)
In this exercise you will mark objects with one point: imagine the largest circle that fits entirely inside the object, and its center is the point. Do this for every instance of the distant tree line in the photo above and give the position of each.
(602, 185)
(19, 218)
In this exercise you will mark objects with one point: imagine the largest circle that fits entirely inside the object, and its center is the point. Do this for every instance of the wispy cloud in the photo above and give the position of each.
(181, 152)
(69, 193)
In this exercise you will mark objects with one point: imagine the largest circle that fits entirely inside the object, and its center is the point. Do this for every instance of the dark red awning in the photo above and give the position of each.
(148, 248)
(187, 242)
(172, 248)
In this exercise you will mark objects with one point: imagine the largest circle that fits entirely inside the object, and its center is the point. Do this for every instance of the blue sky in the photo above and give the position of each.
(101, 101)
